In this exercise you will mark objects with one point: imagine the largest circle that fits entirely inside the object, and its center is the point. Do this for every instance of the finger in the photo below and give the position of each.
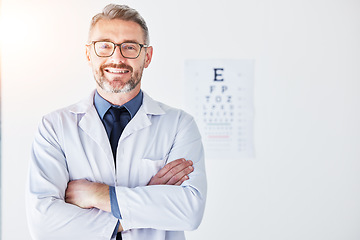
(169, 166)
(180, 175)
(173, 172)
(186, 177)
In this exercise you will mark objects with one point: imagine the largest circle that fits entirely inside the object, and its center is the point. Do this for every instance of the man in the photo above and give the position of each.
(113, 166)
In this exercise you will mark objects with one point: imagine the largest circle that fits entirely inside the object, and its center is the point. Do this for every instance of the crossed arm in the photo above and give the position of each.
(86, 194)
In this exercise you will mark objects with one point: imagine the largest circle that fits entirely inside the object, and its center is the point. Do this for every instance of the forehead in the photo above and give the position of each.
(117, 31)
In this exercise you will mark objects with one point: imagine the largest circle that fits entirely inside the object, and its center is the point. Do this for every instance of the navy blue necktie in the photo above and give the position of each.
(115, 121)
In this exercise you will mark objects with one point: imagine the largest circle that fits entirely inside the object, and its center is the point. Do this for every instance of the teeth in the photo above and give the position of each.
(117, 71)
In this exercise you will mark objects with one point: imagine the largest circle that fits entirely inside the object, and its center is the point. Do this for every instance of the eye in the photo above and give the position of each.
(130, 47)
(104, 45)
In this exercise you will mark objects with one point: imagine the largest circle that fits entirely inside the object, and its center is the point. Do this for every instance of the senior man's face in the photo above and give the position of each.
(116, 73)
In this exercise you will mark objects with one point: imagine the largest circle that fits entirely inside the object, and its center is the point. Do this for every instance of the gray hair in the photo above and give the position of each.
(122, 12)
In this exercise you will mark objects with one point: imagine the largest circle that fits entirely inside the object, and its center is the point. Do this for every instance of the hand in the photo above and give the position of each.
(173, 173)
(86, 194)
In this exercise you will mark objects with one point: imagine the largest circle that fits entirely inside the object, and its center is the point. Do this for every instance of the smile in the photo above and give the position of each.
(116, 71)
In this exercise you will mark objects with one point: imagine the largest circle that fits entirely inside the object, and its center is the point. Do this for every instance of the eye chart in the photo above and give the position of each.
(219, 94)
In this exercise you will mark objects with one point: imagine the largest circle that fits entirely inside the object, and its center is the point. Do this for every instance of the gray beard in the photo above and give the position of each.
(104, 84)
(129, 86)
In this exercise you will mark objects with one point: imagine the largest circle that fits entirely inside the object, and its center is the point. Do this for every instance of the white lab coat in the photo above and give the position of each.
(71, 143)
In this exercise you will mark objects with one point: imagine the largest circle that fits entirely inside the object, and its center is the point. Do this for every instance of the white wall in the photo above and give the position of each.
(304, 180)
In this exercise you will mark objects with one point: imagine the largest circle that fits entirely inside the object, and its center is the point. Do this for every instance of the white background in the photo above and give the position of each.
(304, 180)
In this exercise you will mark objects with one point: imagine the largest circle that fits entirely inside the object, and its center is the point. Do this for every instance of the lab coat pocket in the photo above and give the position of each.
(148, 168)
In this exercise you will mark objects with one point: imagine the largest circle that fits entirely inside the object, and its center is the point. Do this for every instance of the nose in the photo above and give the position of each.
(117, 56)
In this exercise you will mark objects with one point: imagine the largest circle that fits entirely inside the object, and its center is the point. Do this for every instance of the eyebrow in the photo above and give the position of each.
(109, 40)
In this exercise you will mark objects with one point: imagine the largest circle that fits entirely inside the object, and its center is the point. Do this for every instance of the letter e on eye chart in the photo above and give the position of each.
(219, 94)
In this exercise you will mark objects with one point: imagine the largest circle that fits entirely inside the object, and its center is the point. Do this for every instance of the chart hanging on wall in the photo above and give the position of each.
(219, 94)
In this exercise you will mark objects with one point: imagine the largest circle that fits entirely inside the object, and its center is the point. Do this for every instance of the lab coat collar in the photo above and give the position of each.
(150, 106)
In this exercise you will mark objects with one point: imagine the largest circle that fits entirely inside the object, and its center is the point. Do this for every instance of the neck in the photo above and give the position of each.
(118, 98)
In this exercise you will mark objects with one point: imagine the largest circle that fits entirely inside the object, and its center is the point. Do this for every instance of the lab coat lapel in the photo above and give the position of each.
(142, 119)
(89, 121)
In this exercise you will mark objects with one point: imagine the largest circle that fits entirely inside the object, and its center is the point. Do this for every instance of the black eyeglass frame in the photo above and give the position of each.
(118, 45)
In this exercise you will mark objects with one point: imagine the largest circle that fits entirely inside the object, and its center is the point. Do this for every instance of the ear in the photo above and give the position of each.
(148, 56)
(88, 55)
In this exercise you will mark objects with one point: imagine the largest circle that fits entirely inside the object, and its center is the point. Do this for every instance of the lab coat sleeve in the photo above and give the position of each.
(49, 216)
(166, 207)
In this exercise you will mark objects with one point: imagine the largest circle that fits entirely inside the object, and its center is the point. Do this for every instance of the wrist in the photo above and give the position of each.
(101, 197)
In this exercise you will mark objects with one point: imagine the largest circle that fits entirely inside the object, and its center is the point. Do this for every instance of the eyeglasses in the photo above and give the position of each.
(127, 49)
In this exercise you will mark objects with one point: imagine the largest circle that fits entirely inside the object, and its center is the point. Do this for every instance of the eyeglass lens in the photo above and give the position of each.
(128, 50)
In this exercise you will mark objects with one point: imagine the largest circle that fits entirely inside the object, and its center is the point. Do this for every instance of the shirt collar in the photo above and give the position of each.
(132, 106)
